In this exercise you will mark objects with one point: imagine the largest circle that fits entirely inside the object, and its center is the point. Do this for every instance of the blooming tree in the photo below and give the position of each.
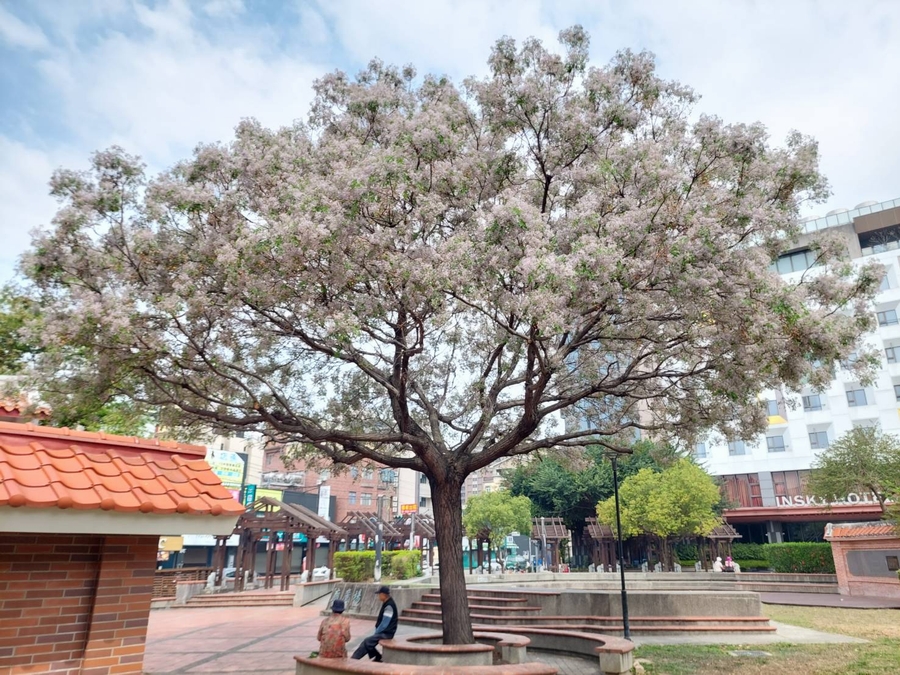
(434, 276)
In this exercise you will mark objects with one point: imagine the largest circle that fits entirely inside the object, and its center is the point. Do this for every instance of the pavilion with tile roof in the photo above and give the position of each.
(866, 557)
(81, 514)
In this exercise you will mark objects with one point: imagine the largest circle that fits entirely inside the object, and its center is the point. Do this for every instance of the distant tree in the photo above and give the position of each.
(102, 411)
(15, 349)
(495, 515)
(679, 501)
(569, 484)
(865, 459)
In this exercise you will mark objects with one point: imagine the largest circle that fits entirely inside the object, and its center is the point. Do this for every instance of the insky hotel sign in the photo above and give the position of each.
(806, 500)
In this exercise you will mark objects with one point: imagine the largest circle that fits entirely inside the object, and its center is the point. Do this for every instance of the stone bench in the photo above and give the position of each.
(426, 649)
(616, 654)
(311, 591)
(308, 666)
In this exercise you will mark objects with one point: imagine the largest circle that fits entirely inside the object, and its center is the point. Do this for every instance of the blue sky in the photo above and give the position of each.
(159, 76)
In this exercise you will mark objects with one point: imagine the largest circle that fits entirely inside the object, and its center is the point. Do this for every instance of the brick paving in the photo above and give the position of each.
(263, 640)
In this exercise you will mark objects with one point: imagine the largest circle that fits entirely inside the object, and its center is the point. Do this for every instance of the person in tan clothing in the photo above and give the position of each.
(334, 632)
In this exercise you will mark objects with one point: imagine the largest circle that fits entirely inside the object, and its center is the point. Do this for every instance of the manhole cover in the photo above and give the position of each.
(750, 652)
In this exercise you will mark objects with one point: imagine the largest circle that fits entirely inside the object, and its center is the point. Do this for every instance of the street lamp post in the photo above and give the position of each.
(379, 540)
(626, 628)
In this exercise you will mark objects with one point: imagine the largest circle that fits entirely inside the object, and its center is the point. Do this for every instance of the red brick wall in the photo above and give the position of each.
(854, 585)
(74, 603)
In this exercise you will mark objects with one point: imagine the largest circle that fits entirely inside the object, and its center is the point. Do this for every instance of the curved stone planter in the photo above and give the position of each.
(427, 650)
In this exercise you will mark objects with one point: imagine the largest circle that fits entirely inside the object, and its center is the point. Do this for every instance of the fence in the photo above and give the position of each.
(164, 580)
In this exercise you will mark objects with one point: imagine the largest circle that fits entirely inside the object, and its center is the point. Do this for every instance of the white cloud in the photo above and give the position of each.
(17, 33)
(157, 78)
(223, 8)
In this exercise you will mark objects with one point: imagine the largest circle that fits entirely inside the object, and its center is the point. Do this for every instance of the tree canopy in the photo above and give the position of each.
(569, 485)
(865, 459)
(679, 501)
(496, 514)
(435, 276)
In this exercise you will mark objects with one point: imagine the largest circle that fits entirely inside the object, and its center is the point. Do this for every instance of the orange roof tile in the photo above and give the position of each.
(66, 469)
(857, 530)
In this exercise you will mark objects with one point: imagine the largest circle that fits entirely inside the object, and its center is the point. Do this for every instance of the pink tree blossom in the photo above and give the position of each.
(432, 275)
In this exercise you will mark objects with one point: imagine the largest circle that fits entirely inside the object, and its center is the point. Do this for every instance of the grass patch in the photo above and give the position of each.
(881, 656)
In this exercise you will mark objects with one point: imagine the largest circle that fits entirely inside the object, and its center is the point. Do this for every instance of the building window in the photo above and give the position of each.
(270, 459)
(368, 473)
(887, 317)
(324, 474)
(797, 261)
(736, 448)
(423, 502)
(423, 478)
(351, 498)
(772, 407)
(812, 402)
(366, 499)
(856, 398)
(388, 476)
(897, 391)
(892, 353)
(775, 443)
(818, 440)
(354, 472)
(885, 283)
(700, 451)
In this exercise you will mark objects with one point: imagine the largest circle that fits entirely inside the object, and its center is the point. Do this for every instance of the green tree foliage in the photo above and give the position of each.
(103, 412)
(865, 459)
(15, 310)
(496, 514)
(569, 485)
(679, 501)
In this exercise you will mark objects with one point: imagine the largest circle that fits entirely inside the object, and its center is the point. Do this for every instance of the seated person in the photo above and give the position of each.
(334, 632)
(385, 626)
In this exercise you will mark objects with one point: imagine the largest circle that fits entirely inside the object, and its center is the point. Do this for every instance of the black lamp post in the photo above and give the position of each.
(614, 458)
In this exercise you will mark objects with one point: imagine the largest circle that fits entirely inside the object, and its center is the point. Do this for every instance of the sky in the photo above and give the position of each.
(157, 77)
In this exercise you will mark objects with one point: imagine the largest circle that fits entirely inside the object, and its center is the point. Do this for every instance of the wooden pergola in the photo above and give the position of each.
(359, 524)
(717, 544)
(603, 544)
(552, 531)
(277, 522)
(423, 528)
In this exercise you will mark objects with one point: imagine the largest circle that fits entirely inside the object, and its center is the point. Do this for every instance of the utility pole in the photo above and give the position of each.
(379, 539)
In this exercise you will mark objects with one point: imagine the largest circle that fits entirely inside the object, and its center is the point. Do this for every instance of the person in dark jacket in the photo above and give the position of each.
(385, 626)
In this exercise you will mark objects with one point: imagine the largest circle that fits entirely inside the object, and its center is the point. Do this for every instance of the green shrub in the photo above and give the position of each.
(747, 565)
(800, 558)
(403, 564)
(748, 551)
(686, 551)
(354, 565)
(357, 566)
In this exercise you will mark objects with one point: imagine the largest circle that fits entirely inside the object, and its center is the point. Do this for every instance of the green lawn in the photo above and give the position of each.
(881, 656)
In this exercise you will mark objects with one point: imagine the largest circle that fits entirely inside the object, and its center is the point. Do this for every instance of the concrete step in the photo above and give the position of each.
(479, 599)
(492, 610)
(282, 599)
(636, 627)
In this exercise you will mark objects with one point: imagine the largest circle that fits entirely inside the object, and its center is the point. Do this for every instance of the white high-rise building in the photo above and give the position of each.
(766, 477)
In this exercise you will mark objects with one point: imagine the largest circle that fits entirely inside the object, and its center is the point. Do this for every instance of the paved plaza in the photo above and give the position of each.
(266, 639)
(261, 640)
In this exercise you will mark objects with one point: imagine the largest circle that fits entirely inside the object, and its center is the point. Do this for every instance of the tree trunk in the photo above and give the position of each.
(449, 533)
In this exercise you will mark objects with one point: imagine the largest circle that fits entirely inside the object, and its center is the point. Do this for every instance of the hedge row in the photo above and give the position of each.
(360, 565)
(800, 558)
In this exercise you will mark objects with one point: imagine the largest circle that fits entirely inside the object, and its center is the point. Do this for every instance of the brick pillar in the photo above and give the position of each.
(118, 628)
